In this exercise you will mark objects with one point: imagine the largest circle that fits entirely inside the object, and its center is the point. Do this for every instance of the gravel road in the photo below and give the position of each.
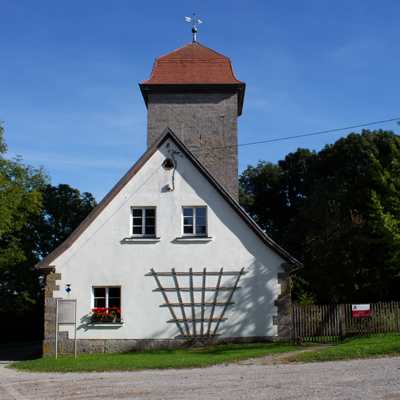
(267, 378)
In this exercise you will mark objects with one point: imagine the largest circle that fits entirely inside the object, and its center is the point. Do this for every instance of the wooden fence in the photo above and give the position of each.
(333, 323)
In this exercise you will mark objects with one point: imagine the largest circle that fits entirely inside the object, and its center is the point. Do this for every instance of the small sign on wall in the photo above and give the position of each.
(361, 310)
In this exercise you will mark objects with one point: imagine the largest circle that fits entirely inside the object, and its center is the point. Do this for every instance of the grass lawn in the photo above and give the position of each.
(384, 345)
(18, 345)
(362, 347)
(154, 359)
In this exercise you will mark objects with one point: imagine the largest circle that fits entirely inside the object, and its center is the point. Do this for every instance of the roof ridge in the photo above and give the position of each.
(227, 60)
(194, 43)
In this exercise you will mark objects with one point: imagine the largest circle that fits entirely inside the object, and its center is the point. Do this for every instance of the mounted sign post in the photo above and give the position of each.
(360, 311)
(65, 314)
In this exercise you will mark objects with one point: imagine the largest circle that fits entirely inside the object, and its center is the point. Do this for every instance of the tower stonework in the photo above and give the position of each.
(194, 92)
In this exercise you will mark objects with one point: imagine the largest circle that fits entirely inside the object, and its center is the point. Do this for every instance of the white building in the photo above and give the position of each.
(169, 248)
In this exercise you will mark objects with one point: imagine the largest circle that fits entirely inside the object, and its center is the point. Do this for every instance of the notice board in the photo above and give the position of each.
(66, 311)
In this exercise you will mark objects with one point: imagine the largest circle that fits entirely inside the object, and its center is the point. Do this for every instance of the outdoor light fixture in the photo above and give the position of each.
(42, 280)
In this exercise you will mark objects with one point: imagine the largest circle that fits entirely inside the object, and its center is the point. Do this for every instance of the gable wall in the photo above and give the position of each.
(206, 123)
(101, 257)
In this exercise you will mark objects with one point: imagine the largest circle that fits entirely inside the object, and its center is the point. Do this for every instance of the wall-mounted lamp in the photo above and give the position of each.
(42, 280)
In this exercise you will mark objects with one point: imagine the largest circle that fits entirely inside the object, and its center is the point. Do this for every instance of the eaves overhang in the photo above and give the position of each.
(167, 134)
(238, 88)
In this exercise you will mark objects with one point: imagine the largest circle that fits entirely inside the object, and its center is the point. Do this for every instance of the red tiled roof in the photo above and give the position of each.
(192, 64)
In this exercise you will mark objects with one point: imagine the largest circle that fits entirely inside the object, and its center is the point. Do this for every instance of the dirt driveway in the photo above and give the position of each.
(266, 378)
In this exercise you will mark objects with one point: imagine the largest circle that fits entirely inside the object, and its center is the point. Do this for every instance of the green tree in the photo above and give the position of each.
(35, 218)
(272, 194)
(385, 207)
(261, 196)
(20, 197)
(64, 208)
(324, 219)
(344, 263)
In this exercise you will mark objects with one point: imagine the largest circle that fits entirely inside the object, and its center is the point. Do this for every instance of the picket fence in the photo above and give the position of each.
(335, 322)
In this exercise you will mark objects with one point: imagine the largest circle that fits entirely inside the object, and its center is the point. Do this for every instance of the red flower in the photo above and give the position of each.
(110, 312)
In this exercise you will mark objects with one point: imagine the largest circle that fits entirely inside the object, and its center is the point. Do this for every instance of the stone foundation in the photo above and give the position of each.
(93, 346)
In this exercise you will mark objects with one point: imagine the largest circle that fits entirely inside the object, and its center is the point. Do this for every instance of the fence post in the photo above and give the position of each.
(342, 324)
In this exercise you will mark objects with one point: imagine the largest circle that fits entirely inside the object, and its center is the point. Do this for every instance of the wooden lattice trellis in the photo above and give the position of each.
(187, 325)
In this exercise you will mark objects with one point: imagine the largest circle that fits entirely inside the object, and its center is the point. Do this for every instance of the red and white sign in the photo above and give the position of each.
(360, 310)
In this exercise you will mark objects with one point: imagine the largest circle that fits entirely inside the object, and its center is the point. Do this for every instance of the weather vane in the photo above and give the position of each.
(194, 29)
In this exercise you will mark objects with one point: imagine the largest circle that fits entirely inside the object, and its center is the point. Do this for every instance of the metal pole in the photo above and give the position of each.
(75, 328)
(56, 327)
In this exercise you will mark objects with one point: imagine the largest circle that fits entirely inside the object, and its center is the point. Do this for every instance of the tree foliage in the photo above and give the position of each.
(337, 211)
(35, 218)
(256, 190)
(64, 208)
(385, 207)
(20, 197)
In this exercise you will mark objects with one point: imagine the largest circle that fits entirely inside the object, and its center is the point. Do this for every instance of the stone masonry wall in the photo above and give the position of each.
(207, 124)
(93, 346)
(49, 343)
(284, 319)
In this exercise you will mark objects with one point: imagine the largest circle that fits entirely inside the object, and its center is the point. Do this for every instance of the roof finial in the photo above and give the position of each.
(194, 29)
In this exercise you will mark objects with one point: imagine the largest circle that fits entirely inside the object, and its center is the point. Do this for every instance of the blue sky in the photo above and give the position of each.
(69, 74)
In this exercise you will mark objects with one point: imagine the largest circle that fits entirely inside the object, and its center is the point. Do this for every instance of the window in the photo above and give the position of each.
(143, 222)
(195, 221)
(107, 297)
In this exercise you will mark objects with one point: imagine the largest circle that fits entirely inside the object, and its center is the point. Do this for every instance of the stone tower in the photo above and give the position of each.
(193, 91)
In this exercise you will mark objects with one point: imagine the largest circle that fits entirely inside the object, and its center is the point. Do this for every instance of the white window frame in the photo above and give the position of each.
(143, 222)
(195, 223)
(107, 297)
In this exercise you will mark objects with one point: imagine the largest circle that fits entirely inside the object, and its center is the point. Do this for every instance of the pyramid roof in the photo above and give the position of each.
(192, 64)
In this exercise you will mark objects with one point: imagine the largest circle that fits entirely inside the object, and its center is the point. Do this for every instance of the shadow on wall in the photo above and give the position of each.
(253, 311)
(188, 98)
(197, 300)
(250, 315)
(236, 248)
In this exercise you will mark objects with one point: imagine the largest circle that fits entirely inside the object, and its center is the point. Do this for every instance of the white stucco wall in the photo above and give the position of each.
(101, 257)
